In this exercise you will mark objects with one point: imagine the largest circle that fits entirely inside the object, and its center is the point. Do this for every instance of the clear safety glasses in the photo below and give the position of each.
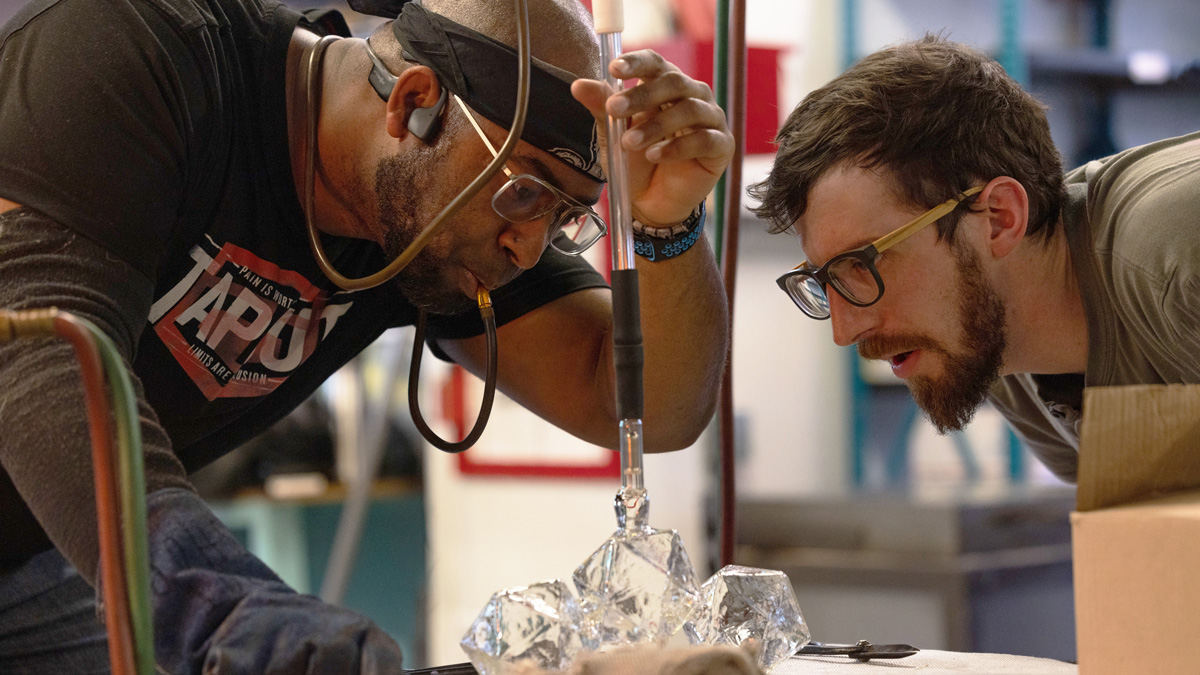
(524, 198)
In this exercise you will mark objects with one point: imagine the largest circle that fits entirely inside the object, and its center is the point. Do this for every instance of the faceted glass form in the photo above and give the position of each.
(538, 624)
(638, 587)
(742, 605)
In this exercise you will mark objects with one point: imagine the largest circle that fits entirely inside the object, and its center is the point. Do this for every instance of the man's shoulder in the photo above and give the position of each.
(1141, 212)
(1151, 186)
(97, 19)
(84, 21)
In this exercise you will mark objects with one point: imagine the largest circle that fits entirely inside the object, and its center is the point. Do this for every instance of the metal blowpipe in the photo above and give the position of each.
(631, 503)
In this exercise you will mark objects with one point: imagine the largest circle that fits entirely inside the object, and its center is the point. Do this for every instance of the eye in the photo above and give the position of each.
(855, 266)
(852, 270)
(852, 267)
(525, 194)
(520, 200)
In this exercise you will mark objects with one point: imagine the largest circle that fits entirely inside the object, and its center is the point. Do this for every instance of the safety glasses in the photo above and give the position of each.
(575, 226)
(852, 274)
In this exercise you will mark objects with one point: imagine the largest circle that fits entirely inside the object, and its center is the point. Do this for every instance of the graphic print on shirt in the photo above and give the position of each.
(239, 325)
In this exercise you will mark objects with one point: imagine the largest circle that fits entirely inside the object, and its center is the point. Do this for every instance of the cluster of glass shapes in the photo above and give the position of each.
(539, 624)
(749, 607)
(639, 587)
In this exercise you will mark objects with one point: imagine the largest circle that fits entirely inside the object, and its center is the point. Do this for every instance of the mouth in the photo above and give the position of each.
(904, 364)
(904, 353)
(470, 284)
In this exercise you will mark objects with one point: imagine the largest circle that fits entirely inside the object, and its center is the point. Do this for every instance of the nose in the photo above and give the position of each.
(849, 321)
(525, 242)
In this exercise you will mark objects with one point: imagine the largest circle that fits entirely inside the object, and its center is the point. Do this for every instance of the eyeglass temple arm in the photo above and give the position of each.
(471, 118)
(889, 240)
(568, 198)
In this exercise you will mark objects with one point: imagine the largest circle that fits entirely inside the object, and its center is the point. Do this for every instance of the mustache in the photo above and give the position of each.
(499, 278)
(884, 346)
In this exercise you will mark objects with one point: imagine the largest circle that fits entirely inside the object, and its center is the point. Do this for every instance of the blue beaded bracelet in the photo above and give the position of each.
(654, 247)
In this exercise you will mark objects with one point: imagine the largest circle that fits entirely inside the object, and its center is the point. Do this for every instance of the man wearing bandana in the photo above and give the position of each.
(153, 180)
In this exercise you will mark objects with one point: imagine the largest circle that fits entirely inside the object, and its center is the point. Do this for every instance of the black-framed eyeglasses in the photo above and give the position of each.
(852, 274)
(575, 226)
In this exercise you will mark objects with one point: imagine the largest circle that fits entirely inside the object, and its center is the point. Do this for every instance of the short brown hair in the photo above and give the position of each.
(936, 116)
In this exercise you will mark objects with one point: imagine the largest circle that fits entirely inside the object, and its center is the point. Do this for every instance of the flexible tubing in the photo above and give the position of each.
(401, 261)
(489, 383)
(423, 239)
(132, 480)
(43, 323)
(349, 532)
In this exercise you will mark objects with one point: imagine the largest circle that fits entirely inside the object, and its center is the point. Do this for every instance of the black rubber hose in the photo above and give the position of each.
(628, 356)
(489, 386)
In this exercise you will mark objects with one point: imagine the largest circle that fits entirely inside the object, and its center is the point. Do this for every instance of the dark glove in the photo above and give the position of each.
(220, 611)
(272, 632)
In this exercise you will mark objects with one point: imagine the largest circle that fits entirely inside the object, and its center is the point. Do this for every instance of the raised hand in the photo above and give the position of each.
(677, 140)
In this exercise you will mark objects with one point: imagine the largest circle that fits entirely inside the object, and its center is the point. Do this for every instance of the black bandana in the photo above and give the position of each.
(483, 73)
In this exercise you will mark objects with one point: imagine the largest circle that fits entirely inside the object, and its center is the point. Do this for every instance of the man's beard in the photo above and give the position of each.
(951, 401)
(403, 202)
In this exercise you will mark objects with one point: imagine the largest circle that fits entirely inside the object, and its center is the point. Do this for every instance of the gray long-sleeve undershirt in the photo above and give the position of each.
(44, 442)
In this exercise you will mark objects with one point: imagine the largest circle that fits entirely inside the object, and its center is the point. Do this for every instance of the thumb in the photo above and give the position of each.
(591, 93)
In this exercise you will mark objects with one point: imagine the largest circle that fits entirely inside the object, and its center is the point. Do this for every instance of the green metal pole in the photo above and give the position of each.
(721, 92)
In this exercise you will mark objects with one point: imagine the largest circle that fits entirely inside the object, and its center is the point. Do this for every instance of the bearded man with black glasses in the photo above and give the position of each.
(156, 164)
(942, 236)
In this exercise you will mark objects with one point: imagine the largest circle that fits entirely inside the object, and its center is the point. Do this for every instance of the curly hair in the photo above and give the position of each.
(936, 117)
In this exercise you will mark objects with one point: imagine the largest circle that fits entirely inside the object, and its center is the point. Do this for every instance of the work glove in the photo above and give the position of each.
(218, 610)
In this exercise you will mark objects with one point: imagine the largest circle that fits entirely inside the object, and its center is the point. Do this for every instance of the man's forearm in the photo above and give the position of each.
(685, 328)
(43, 431)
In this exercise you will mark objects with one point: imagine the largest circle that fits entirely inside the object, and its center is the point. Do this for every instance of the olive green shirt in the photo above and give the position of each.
(1132, 221)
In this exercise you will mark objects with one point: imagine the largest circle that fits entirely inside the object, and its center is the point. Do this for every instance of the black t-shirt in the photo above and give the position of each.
(157, 128)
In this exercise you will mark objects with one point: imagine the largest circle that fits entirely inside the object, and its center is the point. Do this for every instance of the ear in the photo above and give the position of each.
(416, 104)
(1005, 205)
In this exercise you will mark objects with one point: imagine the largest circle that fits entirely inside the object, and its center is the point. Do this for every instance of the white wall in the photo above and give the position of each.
(790, 389)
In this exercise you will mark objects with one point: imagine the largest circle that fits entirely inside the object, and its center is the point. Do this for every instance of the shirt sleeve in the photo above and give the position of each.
(99, 111)
(45, 447)
(1151, 197)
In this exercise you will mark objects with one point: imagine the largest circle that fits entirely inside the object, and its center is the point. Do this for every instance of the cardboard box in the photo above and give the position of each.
(1136, 530)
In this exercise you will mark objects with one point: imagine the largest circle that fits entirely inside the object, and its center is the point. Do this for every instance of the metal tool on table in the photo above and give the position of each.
(456, 669)
(860, 651)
